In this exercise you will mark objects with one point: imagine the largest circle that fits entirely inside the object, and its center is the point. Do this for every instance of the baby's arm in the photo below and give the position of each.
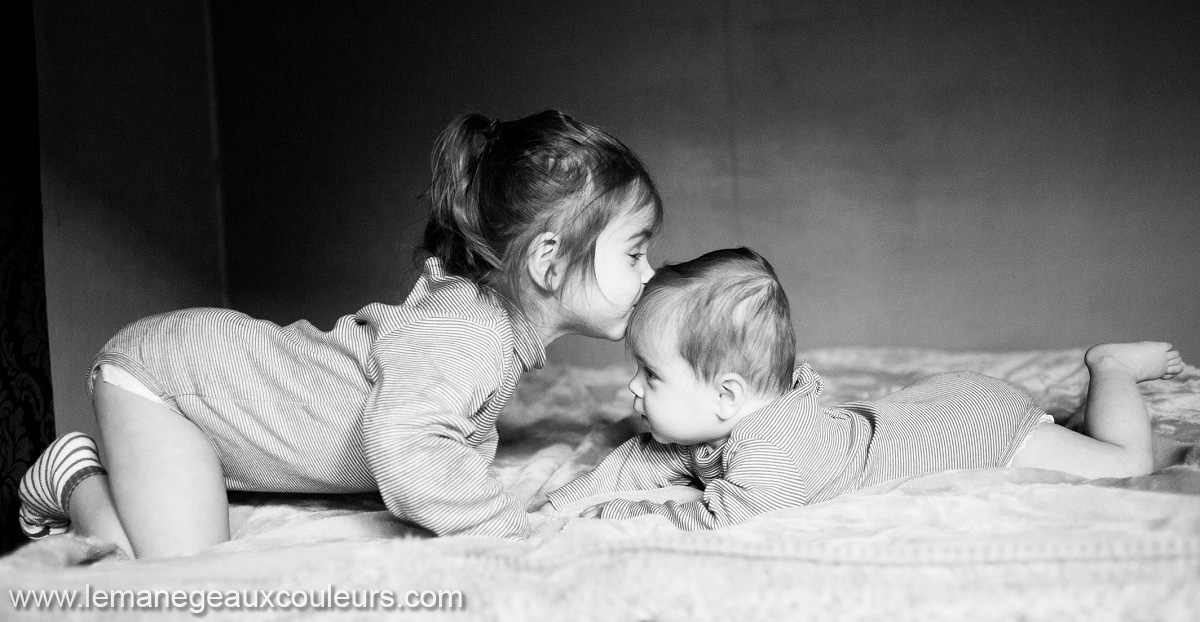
(638, 464)
(759, 477)
(415, 429)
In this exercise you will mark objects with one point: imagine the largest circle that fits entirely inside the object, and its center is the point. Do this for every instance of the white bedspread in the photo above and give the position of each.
(979, 544)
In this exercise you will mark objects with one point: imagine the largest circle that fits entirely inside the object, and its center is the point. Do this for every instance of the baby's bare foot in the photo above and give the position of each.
(1144, 360)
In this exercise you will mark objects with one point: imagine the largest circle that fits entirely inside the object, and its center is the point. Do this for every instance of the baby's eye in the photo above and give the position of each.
(636, 257)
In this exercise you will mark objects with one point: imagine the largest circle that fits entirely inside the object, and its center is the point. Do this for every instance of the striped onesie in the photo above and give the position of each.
(402, 399)
(794, 451)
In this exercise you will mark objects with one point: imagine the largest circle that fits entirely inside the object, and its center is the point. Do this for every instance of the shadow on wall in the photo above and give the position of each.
(958, 176)
(26, 394)
(128, 176)
(955, 176)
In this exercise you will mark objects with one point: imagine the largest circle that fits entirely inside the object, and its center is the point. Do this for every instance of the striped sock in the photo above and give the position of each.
(45, 490)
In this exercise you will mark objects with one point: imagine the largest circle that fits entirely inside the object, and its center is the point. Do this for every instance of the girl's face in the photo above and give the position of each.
(602, 308)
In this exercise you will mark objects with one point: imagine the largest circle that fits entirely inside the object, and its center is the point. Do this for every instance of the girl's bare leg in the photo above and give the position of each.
(1118, 441)
(94, 514)
(165, 480)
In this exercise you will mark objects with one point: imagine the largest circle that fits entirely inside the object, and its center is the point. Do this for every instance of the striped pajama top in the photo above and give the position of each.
(794, 451)
(402, 399)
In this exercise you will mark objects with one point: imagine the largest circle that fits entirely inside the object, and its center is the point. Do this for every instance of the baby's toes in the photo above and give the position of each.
(1145, 360)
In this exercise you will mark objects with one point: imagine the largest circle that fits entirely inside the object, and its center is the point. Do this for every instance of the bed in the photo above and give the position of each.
(972, 544)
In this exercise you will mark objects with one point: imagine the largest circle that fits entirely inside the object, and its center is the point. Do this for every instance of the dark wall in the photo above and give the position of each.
(328, 112)
(945, 175)
(26, 404)
(128, 176)
(953, 175)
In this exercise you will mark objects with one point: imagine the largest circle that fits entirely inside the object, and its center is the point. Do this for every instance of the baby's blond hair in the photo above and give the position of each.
(728, 312)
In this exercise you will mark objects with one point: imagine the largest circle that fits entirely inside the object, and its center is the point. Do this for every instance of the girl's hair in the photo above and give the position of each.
(728, 313)
(497, 186)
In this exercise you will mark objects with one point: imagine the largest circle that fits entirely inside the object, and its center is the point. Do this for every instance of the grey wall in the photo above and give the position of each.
(128, 176)
(971, 175)
(952, 175)
(949, 175)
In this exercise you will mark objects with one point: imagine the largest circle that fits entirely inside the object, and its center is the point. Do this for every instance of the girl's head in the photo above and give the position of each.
(543, 202)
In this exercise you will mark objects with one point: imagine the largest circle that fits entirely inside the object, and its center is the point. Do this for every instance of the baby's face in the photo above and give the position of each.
(677, 406)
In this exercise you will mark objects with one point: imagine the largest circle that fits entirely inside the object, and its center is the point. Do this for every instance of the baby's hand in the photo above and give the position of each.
(593, 511)
(546, 509)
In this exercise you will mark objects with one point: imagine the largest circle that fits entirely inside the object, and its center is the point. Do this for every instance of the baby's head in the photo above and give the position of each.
(712, 337)
(544, 203)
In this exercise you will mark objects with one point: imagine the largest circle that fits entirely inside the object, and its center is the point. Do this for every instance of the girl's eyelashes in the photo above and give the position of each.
(638, 252)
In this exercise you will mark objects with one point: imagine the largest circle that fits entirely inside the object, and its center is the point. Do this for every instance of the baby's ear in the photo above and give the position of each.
(732, 390)
(542, 263)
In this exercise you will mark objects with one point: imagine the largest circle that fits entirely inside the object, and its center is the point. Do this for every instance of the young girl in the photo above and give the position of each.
(538, 228)
(715, 384)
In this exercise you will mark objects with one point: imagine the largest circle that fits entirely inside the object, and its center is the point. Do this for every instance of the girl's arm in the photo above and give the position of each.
(759, 477)
(640, 463)
(430, 382)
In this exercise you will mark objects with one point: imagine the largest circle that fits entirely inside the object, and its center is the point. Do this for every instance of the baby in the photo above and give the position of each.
(713, 342)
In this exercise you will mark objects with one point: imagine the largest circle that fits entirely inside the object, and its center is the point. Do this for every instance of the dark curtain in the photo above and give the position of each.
(26, 412)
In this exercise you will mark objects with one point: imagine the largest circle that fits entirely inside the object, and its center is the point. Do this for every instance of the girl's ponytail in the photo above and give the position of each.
(457, 231)
(497, 186)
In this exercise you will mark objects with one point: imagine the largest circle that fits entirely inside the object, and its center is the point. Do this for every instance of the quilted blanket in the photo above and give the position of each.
(974, 544)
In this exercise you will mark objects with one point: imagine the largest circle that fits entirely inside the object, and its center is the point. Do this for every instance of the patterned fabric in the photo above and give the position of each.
(795, 452)
(400, 399)
(46, 487)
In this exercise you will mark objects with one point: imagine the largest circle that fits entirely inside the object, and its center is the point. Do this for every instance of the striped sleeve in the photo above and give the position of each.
(431, 379)
(759, 477)
(639, 463)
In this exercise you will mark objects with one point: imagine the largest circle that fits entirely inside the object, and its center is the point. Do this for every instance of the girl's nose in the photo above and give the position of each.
(647, 274)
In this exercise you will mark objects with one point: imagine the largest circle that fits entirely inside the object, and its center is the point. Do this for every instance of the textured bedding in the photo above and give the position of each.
(972, 544)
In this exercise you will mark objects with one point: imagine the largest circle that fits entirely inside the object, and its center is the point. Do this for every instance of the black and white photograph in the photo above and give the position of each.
(616, 311)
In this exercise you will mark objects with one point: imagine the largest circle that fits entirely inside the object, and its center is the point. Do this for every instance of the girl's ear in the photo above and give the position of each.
(542, 263)
(732, 390)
